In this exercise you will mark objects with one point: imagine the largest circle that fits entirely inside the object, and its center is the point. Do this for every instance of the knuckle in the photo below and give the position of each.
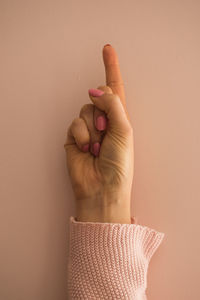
(129, 128)
(105, 88)
(114, 99)
(115, 83)
(76, 122)
(125, 127)
(98, 112)
(86, 108)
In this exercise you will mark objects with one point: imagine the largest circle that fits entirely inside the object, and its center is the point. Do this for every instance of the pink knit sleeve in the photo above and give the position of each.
(109, 260)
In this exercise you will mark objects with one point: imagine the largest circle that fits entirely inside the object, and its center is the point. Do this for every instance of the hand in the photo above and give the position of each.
(100, 154)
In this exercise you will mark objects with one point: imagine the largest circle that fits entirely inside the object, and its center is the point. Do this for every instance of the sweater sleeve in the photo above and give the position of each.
(109, 260)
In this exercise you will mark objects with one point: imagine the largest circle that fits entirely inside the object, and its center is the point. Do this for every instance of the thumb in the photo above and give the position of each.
(113, 108)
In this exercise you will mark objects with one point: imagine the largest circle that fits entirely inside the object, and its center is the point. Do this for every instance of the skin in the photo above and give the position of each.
(102, 183)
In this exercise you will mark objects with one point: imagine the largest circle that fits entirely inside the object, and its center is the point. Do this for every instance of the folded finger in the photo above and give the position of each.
(78, 134)
(100, 118)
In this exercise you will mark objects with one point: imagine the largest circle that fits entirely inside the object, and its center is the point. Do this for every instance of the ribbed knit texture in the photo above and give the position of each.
(110, 260)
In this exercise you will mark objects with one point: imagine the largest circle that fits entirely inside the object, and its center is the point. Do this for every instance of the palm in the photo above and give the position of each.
(90, 174)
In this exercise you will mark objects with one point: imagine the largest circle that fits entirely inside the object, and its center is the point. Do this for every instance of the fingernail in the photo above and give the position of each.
(107, 45)
(96, 148)
(85, 148)
(101, 123)
(95, 92)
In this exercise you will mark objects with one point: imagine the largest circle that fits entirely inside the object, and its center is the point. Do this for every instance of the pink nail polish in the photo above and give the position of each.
(101, 123)
(96, 148)
(95, 92)
(85, 148)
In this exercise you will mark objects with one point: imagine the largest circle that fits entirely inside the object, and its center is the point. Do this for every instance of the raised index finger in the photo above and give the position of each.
(113, 74)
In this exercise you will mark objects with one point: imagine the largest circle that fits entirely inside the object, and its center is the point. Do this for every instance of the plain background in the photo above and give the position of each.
(51, 54)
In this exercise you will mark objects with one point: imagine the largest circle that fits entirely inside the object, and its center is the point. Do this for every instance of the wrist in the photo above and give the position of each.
(100, 210)
(104, 217)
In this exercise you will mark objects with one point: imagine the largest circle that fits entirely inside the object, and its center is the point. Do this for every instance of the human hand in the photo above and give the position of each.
(100, 155)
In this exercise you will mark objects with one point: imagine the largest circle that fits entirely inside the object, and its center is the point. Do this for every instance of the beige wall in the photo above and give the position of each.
(50, 56)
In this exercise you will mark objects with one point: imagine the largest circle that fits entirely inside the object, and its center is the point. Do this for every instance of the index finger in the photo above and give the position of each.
(113, 75)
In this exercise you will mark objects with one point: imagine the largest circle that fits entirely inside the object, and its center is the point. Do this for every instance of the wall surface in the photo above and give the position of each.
(50, 55)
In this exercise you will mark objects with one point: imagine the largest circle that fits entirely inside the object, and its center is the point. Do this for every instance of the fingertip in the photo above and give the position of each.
(107, 45)
(109, 55)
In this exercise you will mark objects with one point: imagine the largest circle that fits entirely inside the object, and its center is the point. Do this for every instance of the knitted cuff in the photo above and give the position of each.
(109, 260)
